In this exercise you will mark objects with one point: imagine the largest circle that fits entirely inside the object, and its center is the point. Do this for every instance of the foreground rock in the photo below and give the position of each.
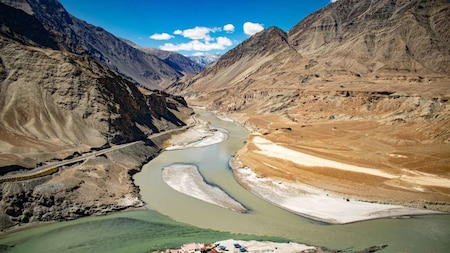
(99, 186)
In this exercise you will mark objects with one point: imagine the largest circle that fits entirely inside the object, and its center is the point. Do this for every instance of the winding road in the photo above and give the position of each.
(48, 167)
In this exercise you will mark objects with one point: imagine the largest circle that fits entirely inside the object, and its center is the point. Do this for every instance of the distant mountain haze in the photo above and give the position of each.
(177, 61)
(205, 60)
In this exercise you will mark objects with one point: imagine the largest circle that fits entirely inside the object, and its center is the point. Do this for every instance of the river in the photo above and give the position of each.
(138, 231)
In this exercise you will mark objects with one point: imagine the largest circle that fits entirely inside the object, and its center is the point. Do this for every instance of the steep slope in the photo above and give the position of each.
(378, 35)
(80, 37)
(17, 25)
(359, 82)
(235, 68)
(54, 101)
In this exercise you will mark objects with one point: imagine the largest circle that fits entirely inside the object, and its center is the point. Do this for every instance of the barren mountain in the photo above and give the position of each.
(79, 37)
(360, 82)
(177, 61)
(52, 100)
(56, 101)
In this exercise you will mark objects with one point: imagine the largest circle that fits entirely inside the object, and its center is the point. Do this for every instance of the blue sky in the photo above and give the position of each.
(191, 27)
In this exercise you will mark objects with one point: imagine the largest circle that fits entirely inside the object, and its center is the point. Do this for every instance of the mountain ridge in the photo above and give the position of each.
(79, 37)
(177, 61)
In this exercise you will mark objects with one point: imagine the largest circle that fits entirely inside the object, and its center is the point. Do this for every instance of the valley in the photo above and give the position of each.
(332, 133)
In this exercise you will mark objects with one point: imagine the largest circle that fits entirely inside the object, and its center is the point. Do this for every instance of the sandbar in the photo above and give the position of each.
(186, 178)
(200, 135)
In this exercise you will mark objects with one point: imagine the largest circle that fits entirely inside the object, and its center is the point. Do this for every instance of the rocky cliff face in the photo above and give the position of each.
(79, 37)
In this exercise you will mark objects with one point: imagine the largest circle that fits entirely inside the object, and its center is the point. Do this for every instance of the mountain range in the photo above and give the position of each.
(178, 62)
(361, 82)
(69, 89)
(76, 36)
(205, 60)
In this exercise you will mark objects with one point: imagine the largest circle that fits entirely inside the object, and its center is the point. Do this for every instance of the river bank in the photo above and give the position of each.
(101, 185)
(295, 197)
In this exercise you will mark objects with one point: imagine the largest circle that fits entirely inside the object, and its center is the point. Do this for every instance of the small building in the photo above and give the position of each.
(192, 248)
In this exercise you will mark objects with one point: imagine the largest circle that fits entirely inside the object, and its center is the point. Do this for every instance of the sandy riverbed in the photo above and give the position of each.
(201, 135)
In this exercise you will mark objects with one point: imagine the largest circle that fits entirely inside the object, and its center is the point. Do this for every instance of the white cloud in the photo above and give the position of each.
(229, 28)
(197, 45)
(198, 33)
(161, 36)
(198, 54)
(333, 1)
(252, 28)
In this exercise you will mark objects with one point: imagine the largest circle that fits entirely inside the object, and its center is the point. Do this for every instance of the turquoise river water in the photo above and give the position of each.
(174, 218)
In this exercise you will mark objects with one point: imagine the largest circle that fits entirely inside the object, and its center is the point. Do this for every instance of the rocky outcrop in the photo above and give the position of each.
(100, 186)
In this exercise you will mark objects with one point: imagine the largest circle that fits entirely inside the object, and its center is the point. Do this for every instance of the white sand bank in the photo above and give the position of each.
(186, 179)
(317, 204)
(201, 135)
(257, 246)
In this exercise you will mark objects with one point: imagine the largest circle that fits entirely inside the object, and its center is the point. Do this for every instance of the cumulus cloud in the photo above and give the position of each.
(198, 33)
(229, 28)
(161, 36)
(252, 28)
(219, 43)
